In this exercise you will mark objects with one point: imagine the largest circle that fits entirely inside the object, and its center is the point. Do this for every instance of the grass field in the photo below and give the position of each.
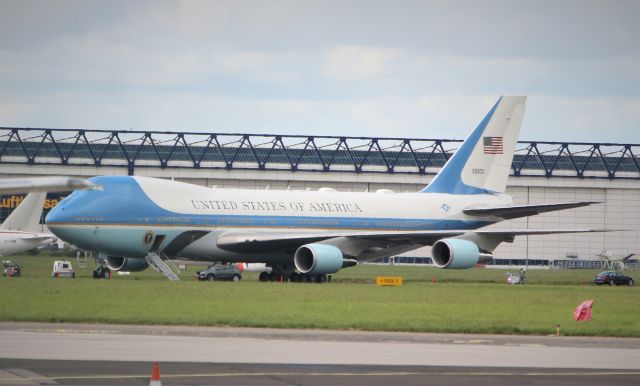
(474, 301)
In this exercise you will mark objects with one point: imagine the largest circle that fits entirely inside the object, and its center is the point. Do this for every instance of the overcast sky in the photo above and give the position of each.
(425, 69)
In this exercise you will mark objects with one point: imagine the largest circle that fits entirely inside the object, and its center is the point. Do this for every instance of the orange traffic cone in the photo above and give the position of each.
(155, 375)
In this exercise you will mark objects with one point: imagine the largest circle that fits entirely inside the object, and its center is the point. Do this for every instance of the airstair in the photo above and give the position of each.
(160, 265)
(81, 258)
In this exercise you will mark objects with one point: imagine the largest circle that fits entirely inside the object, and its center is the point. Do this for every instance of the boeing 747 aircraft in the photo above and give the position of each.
(133, 221)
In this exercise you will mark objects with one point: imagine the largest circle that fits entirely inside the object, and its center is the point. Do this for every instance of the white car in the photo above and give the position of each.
(62, 269)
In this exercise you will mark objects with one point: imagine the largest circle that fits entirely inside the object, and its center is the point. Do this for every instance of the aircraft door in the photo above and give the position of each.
(157, 243)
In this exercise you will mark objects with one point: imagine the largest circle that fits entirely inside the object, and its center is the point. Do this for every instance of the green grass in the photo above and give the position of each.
(473, 301)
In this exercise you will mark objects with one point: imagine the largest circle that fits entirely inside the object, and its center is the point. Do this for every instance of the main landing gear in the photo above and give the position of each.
(283, 274)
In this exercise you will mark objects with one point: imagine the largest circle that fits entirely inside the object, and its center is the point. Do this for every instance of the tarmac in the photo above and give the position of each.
(98, 354)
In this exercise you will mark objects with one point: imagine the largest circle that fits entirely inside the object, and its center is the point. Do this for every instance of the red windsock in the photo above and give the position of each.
(155, 375)
(583, 311)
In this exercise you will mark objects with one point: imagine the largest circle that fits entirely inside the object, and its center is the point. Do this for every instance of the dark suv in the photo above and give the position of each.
(613, 278)
(220, 272)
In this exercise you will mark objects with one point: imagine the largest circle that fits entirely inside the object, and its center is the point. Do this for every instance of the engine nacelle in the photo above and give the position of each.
(127, 264)
(457, 254)
(318, 259)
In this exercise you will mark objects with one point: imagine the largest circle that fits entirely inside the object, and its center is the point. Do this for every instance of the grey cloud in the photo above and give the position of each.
(262, 65)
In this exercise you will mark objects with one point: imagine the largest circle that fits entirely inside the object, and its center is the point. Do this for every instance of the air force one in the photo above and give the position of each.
(302, 235)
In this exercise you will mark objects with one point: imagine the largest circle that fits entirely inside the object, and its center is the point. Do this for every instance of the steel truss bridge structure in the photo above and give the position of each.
(143, 149)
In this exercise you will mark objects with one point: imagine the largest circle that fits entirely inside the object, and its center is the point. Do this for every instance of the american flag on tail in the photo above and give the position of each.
(493, 145)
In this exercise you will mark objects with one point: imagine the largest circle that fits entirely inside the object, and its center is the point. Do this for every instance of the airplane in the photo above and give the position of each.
(303, 235)
(18, 233)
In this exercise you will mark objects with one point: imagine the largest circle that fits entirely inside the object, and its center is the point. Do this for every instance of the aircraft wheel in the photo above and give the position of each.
(321, 279)
(263, 277)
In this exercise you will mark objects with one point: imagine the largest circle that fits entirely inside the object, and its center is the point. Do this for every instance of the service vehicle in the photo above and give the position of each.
(62, 268)
(613, 278)
(11, 269)
(220, 272)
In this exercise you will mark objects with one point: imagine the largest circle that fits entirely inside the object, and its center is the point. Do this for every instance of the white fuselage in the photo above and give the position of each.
(115, 217)
(12, 242)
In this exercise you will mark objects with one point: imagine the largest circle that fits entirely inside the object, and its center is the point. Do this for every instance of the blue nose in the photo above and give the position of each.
(61, 212)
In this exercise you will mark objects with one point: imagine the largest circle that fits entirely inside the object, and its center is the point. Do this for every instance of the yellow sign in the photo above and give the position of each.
(12, 201)
(389, 280)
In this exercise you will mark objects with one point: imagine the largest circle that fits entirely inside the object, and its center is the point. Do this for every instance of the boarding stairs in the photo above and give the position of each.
(160, 265)
(81, 258)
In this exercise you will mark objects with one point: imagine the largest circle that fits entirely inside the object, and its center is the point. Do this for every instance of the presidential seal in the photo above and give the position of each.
(148, 237)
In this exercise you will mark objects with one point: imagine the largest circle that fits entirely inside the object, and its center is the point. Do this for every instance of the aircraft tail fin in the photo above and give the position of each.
(481, 165)
(26, 217)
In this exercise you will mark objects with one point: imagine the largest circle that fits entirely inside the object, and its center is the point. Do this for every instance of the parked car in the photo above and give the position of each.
(62, 268)
(11, 269)
(613, 278)
(220, 272)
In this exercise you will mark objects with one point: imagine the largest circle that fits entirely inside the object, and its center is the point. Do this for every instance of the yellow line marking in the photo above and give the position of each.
(338, 374)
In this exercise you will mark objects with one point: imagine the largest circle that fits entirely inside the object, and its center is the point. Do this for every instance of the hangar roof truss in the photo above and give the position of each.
(134, 149)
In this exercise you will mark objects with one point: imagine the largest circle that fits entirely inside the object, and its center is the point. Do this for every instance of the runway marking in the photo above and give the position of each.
(334, 374)
(7, 378)
(479, 341)
(535, 345)
(25, 374)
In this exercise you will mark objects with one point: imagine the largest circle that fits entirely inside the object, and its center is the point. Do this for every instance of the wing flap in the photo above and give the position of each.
(517, 211)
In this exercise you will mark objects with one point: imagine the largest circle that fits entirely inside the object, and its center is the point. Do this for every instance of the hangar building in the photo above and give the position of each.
(548, 172)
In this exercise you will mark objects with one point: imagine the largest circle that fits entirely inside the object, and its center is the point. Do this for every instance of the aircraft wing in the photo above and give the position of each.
(534, 232)
(41, 238)
(254, 242)
(517, 211)
(42, 184)
(260, 242)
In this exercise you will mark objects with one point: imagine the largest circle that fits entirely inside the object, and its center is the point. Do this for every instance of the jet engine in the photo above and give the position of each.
(320, 259)
(457, 254)
(128, 264)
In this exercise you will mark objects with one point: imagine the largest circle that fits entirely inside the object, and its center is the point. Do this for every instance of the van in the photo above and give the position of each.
(62, 268)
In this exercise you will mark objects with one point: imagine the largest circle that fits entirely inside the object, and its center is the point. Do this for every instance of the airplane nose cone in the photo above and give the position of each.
(57, 214)
(65, 213)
